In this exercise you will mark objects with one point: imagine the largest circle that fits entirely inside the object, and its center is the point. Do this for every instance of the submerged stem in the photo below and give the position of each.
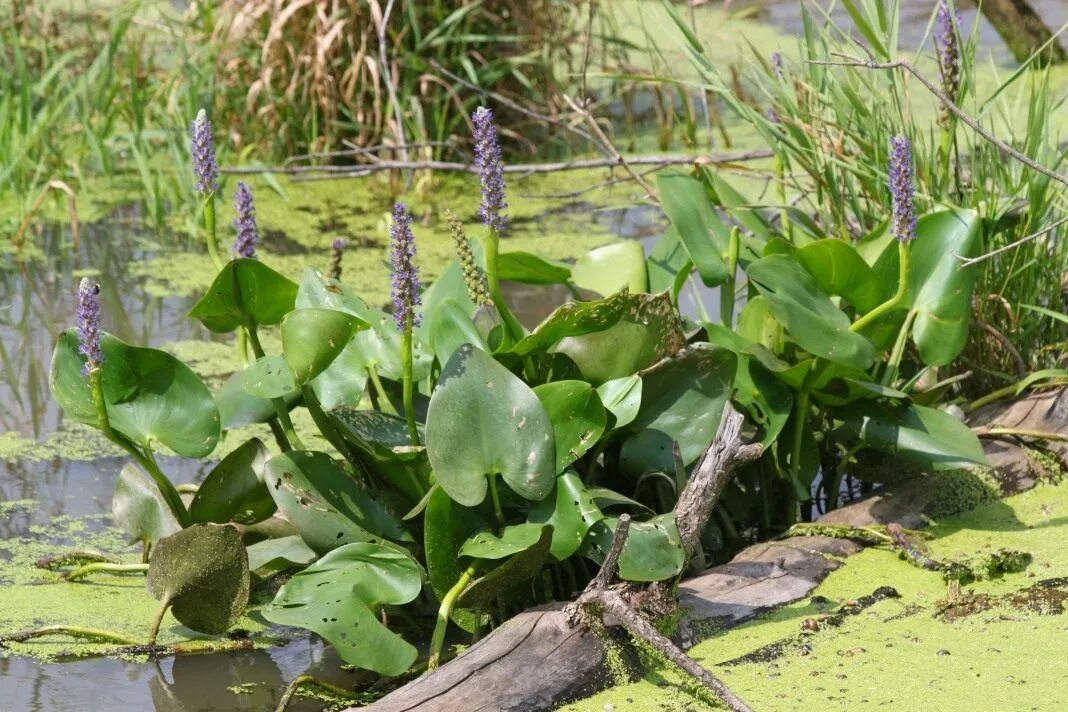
(95, 635)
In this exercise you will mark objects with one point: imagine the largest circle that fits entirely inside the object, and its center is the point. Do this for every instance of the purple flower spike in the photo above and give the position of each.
(89, 325)
(205, 166)
(490, 171)
(248, 233)
(405, 284)
(903, 222)
(776, 63)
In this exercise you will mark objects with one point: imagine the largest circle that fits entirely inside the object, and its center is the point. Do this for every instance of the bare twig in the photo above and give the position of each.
(613, 605)
(607, 143)
(988, 432)
(966, 261)
(851, 61)
(604, 577)
(334, 171)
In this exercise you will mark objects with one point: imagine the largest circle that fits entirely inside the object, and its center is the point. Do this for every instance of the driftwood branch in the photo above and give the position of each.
(711, 476)
(355, 171)
(621, 602)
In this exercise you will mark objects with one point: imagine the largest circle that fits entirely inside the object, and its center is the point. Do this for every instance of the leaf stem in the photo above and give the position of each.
(147, 462)
(726, 292)
(437, 640)
(290, 440)
(209, 231)
(895, 301)
(496, 498)
(492, 248)
(379, 392)
(165, 606)
(406, 382)
(72, 631)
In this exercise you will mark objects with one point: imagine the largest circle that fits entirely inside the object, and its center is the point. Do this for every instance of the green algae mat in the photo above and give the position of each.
(993, 645)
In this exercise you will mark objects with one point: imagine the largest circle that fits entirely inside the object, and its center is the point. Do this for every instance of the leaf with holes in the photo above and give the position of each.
(577, 416)
(338, 597)
(326, 506)
(571, 513)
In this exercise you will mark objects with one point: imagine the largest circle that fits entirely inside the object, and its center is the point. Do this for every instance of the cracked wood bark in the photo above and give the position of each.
(537, 662)
(1022, 29)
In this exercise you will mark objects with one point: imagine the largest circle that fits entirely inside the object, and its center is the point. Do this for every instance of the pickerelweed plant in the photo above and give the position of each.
(475, 467)
(829, 108)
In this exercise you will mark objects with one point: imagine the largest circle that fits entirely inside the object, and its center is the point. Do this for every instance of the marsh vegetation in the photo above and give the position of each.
(374, 324)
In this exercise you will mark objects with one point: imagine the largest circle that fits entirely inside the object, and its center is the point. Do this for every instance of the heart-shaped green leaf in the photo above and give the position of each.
(504, 430)
(927, 437)
(202, 572)
(453, 327)
(622, 397)
(234, 490)
(338, 597)
(838, 269)
(693, 218)
(246, 293)
(312, 338)
(610, 268)
(138, 507)
(577, 416)
(326, 506)
(528, 268)
(238, 407)
(652, 552)
(152, 398)
(646, 332)
(808, 314)
(344, 380)
(940, 286)
(571, 513)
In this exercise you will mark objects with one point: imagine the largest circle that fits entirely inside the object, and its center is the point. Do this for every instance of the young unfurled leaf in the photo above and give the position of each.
(234, 490)
(245, 293)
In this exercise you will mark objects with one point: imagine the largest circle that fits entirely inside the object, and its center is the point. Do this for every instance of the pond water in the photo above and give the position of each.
(37, 302)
